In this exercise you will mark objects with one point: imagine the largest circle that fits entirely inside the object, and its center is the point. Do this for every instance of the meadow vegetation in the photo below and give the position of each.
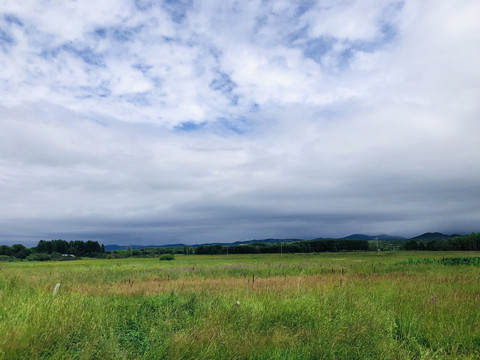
(344, 305)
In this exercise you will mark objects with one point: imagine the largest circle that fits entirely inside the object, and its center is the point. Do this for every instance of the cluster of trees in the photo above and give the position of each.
(462, 243)
(75, 247)
(289, 247)
(52, 250)
(17, 251)
(149, 252)
(255, 248)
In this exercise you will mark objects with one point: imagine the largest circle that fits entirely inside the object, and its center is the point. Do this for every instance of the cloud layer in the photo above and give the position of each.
(193, 121)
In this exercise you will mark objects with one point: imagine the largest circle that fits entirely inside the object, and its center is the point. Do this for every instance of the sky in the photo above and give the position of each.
(160, 122)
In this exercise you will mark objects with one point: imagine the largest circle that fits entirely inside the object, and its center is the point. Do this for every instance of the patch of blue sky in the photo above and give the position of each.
(6, 40)
(177, 9)
(189, 126)
(394, 7)
(168, 39)
(143, 68)
(238, 125)
(124, 34)
(156, 80)
(101, 91)
(49, 53)
(12, 19)
(221, 126)
(119, 33)
(5, 37)
(143, 5)
(39, 39)
(224, 84)
(304, 6)
(215, 52)
(89, 56)
(101, 32)
(260, 22)
(254, 108)
(296, 36)
(315, 49)
(234, 99)
(387, 34)
(86, 54)
(139, 99)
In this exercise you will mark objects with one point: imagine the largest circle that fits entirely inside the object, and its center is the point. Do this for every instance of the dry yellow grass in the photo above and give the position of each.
(273, 284)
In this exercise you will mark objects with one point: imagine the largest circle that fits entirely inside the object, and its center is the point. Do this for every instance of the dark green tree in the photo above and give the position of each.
(19, 251)
(411, 245)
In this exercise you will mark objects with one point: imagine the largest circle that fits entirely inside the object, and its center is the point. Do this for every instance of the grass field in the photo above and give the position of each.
(290, 306)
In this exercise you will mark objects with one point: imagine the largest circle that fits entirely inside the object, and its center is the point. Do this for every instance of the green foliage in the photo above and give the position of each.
(19, 251)
(6, 258)
(75, 247)
(474, 261)
(458, 243)
(48, 247)
(39, 257)
(411, 245)
(53, 250)
(167, 257)
(5, 250)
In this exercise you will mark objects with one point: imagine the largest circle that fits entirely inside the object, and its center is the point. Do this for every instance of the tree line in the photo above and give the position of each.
(306, 246)
(66, 250)
(458, 243)
(53, 250)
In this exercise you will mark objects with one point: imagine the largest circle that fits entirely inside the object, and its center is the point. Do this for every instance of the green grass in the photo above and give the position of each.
(290, 306)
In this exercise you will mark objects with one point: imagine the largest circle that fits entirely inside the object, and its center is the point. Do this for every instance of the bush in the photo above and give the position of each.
(166, 257)
(39, 257)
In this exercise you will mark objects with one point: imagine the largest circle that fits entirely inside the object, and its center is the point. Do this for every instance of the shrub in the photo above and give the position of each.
(167, 257)
(39, 257)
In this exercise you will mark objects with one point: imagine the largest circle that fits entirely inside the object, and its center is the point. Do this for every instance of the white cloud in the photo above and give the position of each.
(375, 129)
(346, 20)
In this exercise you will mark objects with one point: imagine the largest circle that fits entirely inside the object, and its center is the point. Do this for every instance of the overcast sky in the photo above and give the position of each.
(154, 122)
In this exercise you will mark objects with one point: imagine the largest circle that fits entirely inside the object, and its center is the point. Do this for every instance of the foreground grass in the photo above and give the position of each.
(300, 306)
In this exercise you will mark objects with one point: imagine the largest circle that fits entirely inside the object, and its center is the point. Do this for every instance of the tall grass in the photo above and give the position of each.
(331, 306)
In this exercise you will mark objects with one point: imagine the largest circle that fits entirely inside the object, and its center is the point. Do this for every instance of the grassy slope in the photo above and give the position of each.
(301, 306)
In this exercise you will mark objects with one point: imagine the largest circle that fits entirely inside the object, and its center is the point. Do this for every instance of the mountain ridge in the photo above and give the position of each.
(113, 247)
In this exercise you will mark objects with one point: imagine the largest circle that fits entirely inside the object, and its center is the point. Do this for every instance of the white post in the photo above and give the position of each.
(57, 287)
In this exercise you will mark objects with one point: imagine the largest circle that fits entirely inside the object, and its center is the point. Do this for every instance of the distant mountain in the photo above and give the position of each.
(114, 247)
(255, 241)
(138, 247)
(433, 236)
(374, 237)
(384, 237)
